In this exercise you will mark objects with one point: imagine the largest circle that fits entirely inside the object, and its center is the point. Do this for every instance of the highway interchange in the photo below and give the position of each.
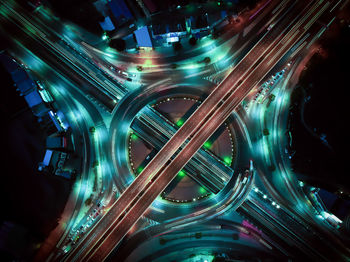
(272, 42)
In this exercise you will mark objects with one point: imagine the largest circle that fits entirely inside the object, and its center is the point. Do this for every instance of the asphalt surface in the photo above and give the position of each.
(278, 49)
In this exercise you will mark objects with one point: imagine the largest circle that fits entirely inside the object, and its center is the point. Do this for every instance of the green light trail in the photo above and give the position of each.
(207, 144)
(180, 122)
(181, 173)
(227, 160)
(134, 137)
(202, 190)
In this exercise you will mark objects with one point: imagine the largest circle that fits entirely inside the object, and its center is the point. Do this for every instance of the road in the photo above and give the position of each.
(291, 232)
(205, 168)
(66, 99)
(184, 132)
(212, 112)
(124, 213)
(59, 55)
(56, 50)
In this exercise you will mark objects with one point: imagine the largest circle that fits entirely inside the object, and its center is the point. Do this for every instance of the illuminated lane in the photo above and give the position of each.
(279, 224)
(277, 51)
(235, 101)
(194, 122)
(109, 90)
(205, 168)
(67, 100)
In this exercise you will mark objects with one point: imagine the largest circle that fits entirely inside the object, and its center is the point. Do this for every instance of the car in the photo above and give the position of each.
(65, 249)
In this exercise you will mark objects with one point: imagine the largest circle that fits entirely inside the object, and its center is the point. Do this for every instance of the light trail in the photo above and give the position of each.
(214, 119)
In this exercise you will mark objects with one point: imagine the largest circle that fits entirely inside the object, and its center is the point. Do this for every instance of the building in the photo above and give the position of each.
(120, 11)
(56, 142)
(107, 24)
(53, 162)
(143, 38)
(26, 86)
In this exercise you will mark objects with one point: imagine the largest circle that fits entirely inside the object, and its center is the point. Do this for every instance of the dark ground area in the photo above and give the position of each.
(31, 203)
(81, 12)
(319, 116)
(84, 13)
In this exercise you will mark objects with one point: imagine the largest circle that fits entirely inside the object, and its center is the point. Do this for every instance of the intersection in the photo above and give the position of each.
(118, 112)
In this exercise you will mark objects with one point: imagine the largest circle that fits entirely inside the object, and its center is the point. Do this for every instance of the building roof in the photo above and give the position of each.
(120, 10)
(143, 38)
(19, 75)
(54, 142)
(107, 24)
(25, 85)
(40, 110)
(33, 99)
(47, 157)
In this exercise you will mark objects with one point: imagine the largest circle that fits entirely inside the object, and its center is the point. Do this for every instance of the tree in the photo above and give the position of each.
(88, 201)
(215, 33)
(235, 236)
(162, 241)
(118, 44)
(192, 41)
(272, 167)
(198, 235)
(207, 60)
(266, 132)
(177, 46)
(94, 164)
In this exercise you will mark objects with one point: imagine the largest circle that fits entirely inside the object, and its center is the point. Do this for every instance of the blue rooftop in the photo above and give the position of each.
(33, 98)
(143, 38)
(47, 157)
(25, 86)
(19, 75)
(119, 10)
(107, 24)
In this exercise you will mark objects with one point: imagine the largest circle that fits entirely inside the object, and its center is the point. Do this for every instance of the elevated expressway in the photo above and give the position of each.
(58, 54)
(247, 205)
(205, 168)
(62, 58)
(211, 113)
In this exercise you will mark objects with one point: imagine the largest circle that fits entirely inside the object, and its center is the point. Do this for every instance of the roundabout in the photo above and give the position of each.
(145, 127)
(184, 188)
